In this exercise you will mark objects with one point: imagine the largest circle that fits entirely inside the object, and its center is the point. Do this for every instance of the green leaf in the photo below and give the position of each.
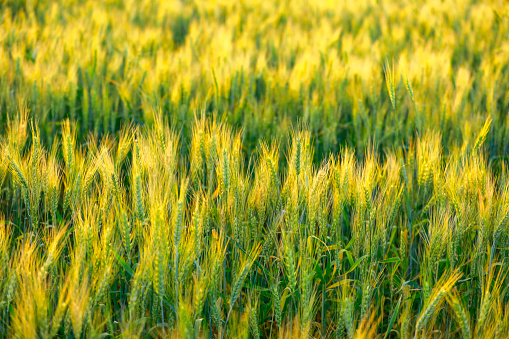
(393, 318)
(350, 258)
(122, 262)
(387, 261)
(197, 325)
(354, 266)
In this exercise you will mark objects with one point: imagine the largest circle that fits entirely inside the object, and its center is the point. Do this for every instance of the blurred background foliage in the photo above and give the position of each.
(262, 67)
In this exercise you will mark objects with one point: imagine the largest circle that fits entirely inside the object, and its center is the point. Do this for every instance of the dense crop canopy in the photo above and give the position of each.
(253, 168)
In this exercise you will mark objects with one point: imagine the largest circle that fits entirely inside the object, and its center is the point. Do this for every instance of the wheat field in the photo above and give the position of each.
(248, 169)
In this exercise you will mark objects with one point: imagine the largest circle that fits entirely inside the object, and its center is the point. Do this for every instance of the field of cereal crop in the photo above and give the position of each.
(254, 169)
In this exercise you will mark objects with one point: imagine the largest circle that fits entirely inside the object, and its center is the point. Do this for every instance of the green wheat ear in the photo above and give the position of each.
(481, 138)
(389, 79)
(409, 89)
(461, 314)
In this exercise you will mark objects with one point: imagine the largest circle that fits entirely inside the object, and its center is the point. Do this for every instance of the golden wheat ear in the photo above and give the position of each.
(461, 313)
(431, 305)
